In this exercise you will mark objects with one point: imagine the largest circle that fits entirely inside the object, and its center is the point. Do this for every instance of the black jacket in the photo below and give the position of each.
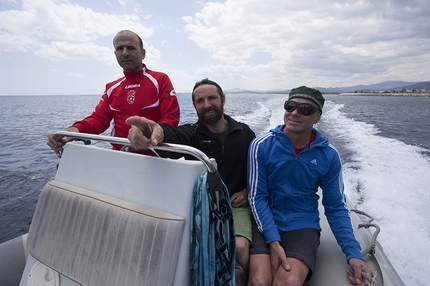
(231, 156)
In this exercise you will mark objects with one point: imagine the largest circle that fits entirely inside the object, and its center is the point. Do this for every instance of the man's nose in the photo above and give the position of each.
(296, 111)
(125, 51)
(207, 103)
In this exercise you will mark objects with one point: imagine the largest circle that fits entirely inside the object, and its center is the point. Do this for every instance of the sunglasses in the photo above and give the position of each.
(303, 108)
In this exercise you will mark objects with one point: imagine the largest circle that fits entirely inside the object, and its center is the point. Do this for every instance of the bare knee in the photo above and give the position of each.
(260, 272)
(291, 280)
(259, 281)
(295, 277)
(242, 253)
(242, 245)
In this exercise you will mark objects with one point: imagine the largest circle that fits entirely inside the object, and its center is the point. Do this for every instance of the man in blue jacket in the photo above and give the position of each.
(286, 166)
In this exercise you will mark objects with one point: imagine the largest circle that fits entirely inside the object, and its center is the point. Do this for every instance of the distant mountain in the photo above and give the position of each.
(386, 85)
(424, 84)
(239, 90)
(376, 86)
(235, 90)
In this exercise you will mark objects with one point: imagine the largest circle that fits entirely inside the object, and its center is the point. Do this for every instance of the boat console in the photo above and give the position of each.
(114, 216)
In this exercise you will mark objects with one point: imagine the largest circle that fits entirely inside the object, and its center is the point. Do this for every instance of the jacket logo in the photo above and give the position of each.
(314, 161)
(131, 96)
(171, 92)
(132, 86)
(207, 141)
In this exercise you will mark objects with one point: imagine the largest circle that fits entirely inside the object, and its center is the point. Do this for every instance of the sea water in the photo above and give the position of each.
(384, 143)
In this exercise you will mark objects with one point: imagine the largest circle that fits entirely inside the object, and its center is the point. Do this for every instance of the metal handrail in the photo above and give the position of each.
(169, 147)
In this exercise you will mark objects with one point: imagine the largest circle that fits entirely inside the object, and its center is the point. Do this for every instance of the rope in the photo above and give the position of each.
(371, 248)
(370, 281)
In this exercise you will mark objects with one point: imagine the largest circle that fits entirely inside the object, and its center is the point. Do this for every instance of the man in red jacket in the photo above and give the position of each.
(140, 92)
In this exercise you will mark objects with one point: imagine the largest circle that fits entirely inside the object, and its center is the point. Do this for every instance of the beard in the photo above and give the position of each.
(212, 118)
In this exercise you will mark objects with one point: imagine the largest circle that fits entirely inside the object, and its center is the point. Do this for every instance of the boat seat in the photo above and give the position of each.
(95, 239)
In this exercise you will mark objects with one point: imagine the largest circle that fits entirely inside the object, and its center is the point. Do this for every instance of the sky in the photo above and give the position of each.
(50, 47)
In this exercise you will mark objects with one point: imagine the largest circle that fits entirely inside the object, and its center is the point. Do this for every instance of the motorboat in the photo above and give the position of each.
(121, 218)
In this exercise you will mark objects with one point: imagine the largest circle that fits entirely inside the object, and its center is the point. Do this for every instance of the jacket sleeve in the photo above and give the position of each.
(336, 210)
(250, 135)
(180, 135)
(99, 120)
(169, 106)
(258, 194)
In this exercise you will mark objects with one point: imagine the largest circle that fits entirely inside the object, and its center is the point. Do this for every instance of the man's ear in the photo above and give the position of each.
(317, 119)
(143, 54)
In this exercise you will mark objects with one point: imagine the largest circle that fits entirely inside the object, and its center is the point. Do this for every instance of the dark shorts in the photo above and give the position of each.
(300, 244)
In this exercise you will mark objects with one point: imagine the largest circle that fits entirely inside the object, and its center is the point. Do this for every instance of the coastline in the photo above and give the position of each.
(385, 94)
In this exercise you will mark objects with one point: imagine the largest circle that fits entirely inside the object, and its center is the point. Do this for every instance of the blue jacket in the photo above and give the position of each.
(282, 188)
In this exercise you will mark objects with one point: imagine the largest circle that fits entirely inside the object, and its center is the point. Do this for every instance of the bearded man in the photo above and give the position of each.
(219, 136)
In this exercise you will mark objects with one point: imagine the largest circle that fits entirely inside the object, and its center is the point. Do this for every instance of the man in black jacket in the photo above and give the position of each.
(219, 136)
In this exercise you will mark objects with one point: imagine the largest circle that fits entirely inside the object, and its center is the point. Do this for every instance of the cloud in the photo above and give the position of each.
(57, 51)
(338, 39)
(123, 3)
(252, 44)
(76, 75)
(59, 29)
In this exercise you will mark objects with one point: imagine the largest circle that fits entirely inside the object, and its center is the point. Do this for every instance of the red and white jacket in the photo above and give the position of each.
(144, 93)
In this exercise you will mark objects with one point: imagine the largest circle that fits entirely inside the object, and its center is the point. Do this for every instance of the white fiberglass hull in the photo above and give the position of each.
(167, 185)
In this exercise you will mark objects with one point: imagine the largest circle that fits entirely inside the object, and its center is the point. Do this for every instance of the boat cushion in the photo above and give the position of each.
(95, 239)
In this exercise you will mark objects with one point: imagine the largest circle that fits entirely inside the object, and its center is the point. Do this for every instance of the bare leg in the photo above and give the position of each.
(295, 277)
(242, 253)
(260, 272)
